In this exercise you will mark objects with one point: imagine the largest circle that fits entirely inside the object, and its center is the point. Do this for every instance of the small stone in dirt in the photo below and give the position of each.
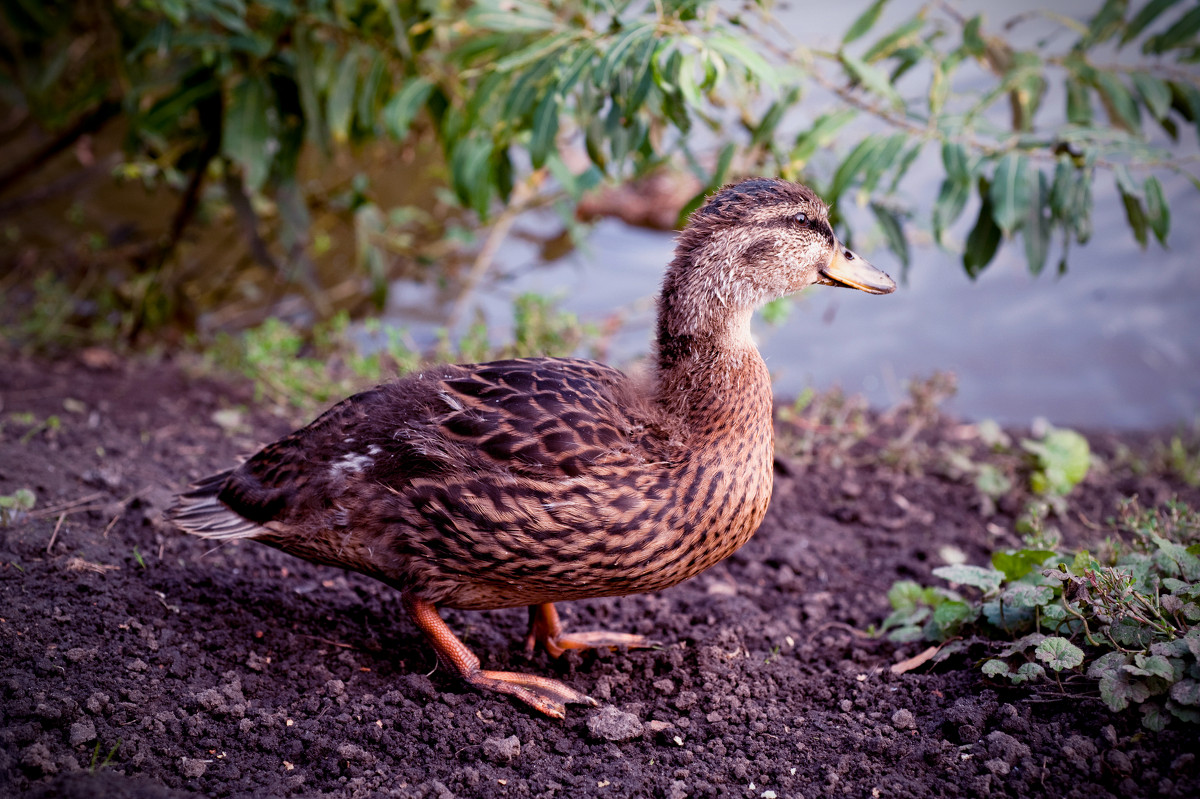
(502, 750)
(903, 719)
(1002, 745)
(78, 654)
(82, 732)
(1119, 761)
(1110, 734)
(36, 757)
(192, 768)
(355, 753)
(686, 699)
(614, 725)
(664, 686)
(97, 703)
(846, 705)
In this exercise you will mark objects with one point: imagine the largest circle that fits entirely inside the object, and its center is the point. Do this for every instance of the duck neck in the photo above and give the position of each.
(713, 378)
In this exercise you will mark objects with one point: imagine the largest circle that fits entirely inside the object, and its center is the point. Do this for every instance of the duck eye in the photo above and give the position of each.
(802, 218)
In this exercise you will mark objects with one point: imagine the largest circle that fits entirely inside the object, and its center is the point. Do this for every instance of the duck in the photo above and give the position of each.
(532, 481)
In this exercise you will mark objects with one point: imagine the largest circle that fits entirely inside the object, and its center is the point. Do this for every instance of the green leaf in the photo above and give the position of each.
(1028, 672)
(1186, 692)
(339, 105)
(739, 51)
(984, 238)
(995, 668)
(403, 107)
(992, 482)
(973, 41)
(893, 231)
(470, 172)
(976, 576)
(538, 50)
(858, 158)
(1024, 595)
(1153, 717)
(883, 159)
(1130, 632)
(1151, 666)
(306, 80)
(1144, 17)
(511, 16)
(1011, 191)
(823, 131)
(864, 22)
(907, 595)
(1178, 34)
(545, 128)
(951, 200)
(872, 78)
(1134, 212)
(1017, 563)
(1106, 22)
(1079, 103)
(245, 136)
(1158, 213)
(951, 615)
(1118, 100)
(1036, 228)
(1155, 93)
(1059, 653)
(1063, 458)
(903, 36)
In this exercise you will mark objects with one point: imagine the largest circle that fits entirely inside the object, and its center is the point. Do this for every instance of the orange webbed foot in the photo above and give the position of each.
(545, 630)
(543, 694)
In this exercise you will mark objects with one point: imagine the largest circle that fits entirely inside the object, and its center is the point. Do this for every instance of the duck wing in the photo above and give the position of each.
(491, 425)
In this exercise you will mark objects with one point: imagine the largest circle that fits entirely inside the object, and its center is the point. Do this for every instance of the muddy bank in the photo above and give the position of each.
(138, 660)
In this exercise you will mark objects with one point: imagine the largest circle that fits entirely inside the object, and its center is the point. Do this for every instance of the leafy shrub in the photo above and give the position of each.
(1131, 623)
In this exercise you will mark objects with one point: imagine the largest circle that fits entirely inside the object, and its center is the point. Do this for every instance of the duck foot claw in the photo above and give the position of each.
(541, 693)
(545, 630)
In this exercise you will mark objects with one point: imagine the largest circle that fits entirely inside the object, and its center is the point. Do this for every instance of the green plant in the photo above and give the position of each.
(1061, 461)
(293, 368)
(15, 505)
(1131, 624)
(96, 766)
(510, 92)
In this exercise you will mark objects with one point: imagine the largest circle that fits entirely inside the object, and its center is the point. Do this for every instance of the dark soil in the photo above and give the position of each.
(135, 660)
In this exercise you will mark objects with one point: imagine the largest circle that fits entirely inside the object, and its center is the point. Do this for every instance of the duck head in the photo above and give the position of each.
(752, 242)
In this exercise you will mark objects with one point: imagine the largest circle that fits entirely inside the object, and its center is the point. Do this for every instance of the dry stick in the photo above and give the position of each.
(124, 507)
(53, 509)
(54, 535)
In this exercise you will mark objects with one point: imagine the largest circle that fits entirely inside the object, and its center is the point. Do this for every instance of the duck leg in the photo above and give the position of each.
(545, 630)
(541, 693)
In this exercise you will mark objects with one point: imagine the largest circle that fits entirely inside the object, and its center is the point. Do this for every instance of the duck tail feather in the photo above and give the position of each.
(200, 512)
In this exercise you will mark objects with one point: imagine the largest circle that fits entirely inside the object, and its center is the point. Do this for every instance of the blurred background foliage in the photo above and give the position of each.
(295, 156)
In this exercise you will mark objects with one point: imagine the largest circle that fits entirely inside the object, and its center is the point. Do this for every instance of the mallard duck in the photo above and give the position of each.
(537, 480)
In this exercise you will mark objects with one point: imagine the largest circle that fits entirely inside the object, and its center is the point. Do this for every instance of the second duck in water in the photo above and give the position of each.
(527, 482)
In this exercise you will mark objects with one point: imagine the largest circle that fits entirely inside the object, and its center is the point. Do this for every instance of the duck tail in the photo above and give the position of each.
(200, 512)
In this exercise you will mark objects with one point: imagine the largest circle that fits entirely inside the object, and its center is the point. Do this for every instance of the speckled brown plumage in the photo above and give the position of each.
(531, 481)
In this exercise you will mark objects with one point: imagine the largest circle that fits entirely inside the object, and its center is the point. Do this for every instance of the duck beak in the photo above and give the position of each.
(854, 271)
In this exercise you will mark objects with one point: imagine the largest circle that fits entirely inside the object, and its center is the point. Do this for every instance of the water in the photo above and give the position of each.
(1115, 343)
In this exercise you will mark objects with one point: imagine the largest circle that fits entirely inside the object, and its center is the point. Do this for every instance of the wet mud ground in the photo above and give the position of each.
(137, 661)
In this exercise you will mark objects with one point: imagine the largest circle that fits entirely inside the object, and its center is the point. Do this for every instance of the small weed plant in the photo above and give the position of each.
(293, 368)
(1126, 620)
(15, 505)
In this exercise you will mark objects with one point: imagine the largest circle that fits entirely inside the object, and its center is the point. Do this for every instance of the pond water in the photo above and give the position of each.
(1114, 343)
